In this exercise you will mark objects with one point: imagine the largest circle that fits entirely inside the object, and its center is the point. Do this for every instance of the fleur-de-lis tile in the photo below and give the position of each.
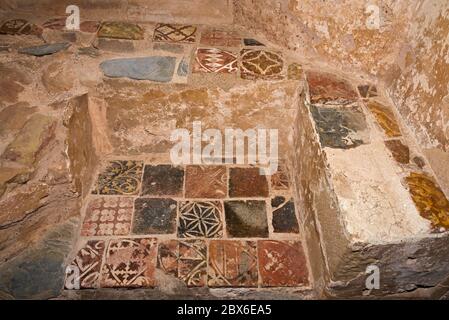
(121, 177)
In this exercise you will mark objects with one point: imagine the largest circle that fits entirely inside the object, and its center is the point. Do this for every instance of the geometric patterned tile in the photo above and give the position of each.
(87, 264)
(246, 219)
(284, 217)
(247, 182)
(200, 219)
(215, 61)
(121, 177)
(130, 263)
(108, 216)
(163, 180)
(261, 64)
(208, 182)
(174, 33)
(232, 264)
(186, 260)
(282, 263)
(154, 216)
(220, 38)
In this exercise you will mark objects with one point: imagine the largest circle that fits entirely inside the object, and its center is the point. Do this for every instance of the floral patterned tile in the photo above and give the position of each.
(120, 178)
(206, 182)
(200, 219)
(232, 264)
(215, 61)
(174, 33)
(261, 64)
(130, 263)
(85, 267)
(220, 38)
(108, 216)
(186, 260)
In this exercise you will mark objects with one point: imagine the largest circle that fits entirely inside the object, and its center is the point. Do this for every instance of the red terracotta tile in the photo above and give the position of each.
(215, 61)
(247, 182)
(221, 38)
(326, 88)
(206, 182)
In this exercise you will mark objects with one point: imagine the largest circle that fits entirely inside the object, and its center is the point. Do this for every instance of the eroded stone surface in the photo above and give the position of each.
(45, 49)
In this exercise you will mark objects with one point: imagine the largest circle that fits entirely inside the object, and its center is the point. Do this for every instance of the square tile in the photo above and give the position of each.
(246, 219)
(385, 119)
(200, 219)
(282, 264)
(186, 260)
(206, 182)
(130, 263)
(326, 88)
(120, 177)
(174, 33)
(247, 182)
(163, 180)
(85, 267)
(154, 216)
(108, 216)
(232, 264)
(215, 61)
(121, 30)
(261, 64)
(280, 180)
(221, 38)
(284, 216)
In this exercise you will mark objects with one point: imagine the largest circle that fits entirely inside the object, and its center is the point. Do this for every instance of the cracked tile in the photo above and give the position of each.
(120, 177)
(261, 64)
(215, 61)
(200, 219)
(206, 182)
(247, 182)
(284, 216)
(174, 33)
(163, 180)
(246, 219)
(154, 216)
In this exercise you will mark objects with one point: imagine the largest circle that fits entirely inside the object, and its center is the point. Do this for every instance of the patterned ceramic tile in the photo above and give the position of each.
(174, 33)
(400, 152)
(130, 263)
(154, 216)
(385, 118)
(200, 219)
(282, 264)
(261, 64)
(19, 27)
(186, 260)
(163, 180)
(206, 182)
(121, 30)
(247, 182)
(284, 217)
(232, 264)
(280, 180)
(295, 72)
(327, 89)
(108, 216)
(220, 38)
(120, 178)
(215, 61)
(246, 219)
(430, 200)
(87, 264)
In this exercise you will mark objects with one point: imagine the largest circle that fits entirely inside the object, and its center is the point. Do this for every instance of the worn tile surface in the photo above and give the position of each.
(175, 33)
(121, 177)
(200, 219)
(154, 216)
(108, 216)
(252, 42)
(87, 264)
(130, 263)
(220, 38)
(325, 88)
(367, 91)
(232, 264)
(247, 182)
(284, 217)
(206, 182)
(55, 23)
(385, 118)
(261, 64)
(400, 152)
(246, 219)
(280, 180)
(121, 30)
(19, 27)
(163, 180)
(186, 260)
(295, 72)
(215, 61)
(282, 263)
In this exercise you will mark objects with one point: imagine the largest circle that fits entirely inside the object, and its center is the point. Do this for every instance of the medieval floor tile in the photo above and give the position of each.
(220, 38)
(232, 264)
(121, 30)
(186, 260)
(85, 267)
(246, 219)
(200, 219)
(163, 180)
(282, 264)
(430, 200)
(247, 182)
(340, 128)
(400, 152)
(206, 182)
(90, 26)
(20, 27)
(215, 61)
(252, 43)
(130, 263)
(120, 177)
(326, 88)
(284, 217)
(261, 64)
(108, 216)
(154, 216)
(280, 180)
(174, 33)
(385, 118)
(295, 72)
